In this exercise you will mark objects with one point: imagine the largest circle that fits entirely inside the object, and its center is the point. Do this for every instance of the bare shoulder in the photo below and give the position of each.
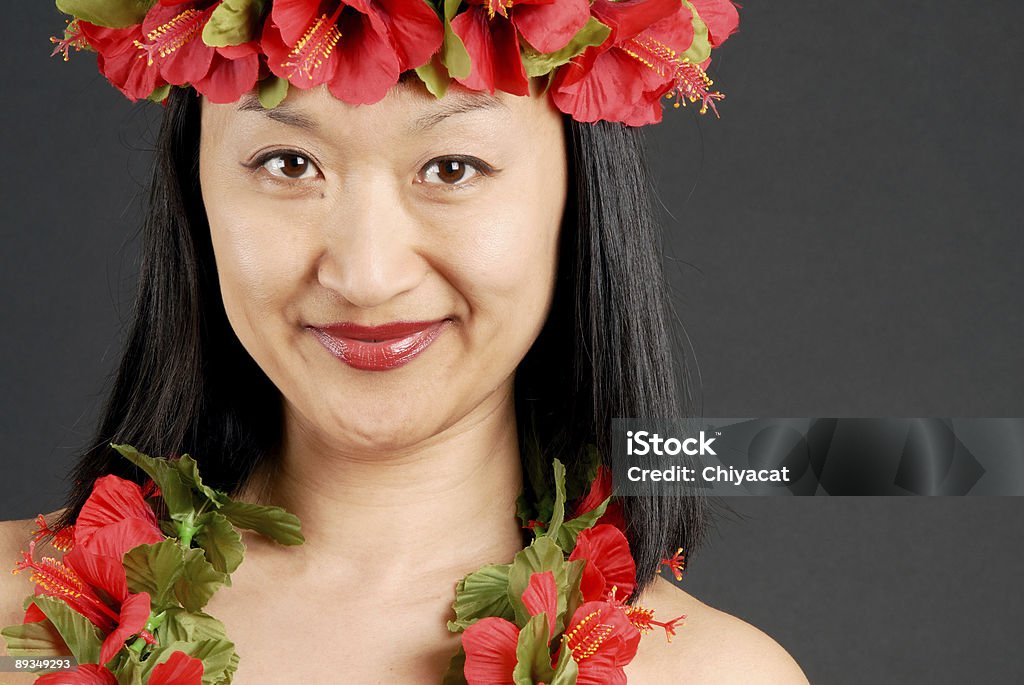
(710, 646)
(14, 588)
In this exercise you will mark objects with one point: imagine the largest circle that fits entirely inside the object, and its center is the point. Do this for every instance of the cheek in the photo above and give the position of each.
(256, 267)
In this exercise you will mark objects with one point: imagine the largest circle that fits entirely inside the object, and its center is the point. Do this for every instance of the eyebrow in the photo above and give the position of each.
(282, 113)
(451, 105)
(456, 103)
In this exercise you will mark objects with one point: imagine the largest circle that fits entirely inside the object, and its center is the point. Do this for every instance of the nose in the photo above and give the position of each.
(369, 251)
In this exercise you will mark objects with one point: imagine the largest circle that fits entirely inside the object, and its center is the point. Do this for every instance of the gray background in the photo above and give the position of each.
(845, 241)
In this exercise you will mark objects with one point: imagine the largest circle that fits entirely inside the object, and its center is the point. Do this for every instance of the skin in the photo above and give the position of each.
(405, 480)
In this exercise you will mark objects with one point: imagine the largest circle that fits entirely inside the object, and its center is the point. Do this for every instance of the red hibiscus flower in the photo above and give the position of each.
(600, 636)
(180, 669)
(490, 30)
(175, 46)
(167, 48)
(603, 641)
(624, 78)
(610, 566)
(357, 47)
(91, 578)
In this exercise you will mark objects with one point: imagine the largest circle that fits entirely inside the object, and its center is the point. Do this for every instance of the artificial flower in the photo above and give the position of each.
(600, 638)
(491, 29)
(174, 44)
(357, 47)
(602, 641)
(610, 566)
(625, 77)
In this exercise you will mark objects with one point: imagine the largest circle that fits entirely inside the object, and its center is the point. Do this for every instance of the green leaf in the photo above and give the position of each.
(216, 656)
(128, 669)
(481, 594)
(189, 470)
(189, 626)
(155, 569)
(221, 542)
(160, 94)
(533, 659)
(566, 671)
(573, 593)
(454, 55)
(82, 637)
(274, 522)
(198, 582)
(114, 14)
(571, 529)
(538, 64)
(34, 639)
(558, 510)
(700, 48)
(456, 673)
(272, 91)
(173, 489)
(233, 22)
(434, 76)
(544, 555)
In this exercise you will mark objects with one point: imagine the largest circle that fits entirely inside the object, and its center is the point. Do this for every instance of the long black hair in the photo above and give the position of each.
(186, 385)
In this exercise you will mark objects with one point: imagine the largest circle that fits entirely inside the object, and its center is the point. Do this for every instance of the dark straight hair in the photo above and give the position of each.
(186, 385)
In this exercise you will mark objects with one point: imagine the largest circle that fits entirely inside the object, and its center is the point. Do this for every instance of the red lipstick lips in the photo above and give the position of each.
(378, 348)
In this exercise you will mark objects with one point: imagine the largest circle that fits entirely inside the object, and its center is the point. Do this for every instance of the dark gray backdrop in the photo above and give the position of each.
(845, 241)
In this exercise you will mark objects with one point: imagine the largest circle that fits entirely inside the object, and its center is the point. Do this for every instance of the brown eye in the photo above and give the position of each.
(449, 171)
(289, 165)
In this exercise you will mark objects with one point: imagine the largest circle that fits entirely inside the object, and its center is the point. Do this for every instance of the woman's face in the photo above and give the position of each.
(387, 265)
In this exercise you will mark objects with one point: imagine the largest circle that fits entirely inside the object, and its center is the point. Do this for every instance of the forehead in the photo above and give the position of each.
(408, 110)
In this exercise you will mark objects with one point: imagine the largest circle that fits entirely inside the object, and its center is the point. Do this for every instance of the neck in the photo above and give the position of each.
(445, 506)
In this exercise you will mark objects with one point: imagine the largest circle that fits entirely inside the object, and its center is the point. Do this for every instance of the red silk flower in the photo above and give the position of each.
(91, 579)
(490, 30)
(609, 563)
(357, 47)
(601, 637)
(624, 78)
(168, 48)
(179, 669)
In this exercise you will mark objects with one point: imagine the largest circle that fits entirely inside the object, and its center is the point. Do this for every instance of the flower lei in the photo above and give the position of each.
(126, 600)
(604, 59)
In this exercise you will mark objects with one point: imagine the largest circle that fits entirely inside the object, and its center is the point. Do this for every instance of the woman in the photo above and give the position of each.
(367, 313)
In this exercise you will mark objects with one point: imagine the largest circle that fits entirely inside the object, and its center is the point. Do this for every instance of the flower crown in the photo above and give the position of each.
(604, 60)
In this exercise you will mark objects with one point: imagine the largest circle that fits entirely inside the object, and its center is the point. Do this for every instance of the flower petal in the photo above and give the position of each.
(85, 674)
(627, 18)
(292, 17)
(229, 79)
(493, 49)
(367, 64)
(415, 29)
(549, 27)
(112, 500)
(541, 596)
(134, 614)
(490, 646)
(180, 669)
(720, 16)
(609, 562)
(613, 88)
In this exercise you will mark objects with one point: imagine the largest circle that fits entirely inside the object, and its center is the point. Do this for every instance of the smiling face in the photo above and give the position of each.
(387, 266)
